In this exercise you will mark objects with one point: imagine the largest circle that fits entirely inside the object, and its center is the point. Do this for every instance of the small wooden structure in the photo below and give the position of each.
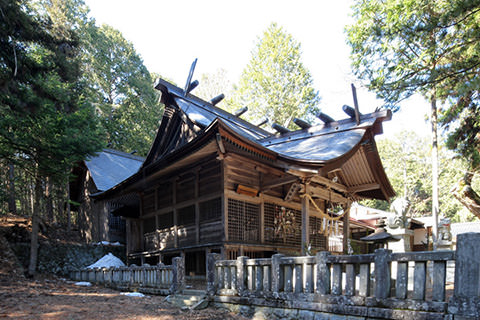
(213, 182)
(97, 174)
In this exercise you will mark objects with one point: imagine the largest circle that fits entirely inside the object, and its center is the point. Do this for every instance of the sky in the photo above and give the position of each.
(169, 35)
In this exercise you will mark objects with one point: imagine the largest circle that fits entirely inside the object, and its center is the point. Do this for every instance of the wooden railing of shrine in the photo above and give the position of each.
(380, 285)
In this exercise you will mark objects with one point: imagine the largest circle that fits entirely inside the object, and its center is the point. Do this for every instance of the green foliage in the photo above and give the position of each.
(275, 83)
(404, 47)
(122, 90)
(407, 162)
(45, 123)
(463, 120)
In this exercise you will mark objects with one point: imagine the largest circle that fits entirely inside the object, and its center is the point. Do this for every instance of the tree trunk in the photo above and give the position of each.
(465, 194)
(32, 267)
(435, 206)
(12, 205)
(49, 200)
(69, 213)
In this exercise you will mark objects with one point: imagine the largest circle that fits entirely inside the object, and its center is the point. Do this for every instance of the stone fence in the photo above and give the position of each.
(159, 279)
(382, 285)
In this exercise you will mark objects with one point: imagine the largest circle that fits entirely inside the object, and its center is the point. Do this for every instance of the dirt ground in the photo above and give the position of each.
(53, 298)
(49, 297)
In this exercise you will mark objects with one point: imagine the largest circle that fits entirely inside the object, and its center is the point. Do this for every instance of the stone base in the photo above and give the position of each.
(256, 308)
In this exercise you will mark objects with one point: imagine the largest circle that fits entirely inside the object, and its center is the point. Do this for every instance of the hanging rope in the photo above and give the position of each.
(323, 214)
(330, 224)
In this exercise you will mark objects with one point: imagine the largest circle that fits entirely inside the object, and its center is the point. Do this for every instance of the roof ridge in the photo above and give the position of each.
(123, 154)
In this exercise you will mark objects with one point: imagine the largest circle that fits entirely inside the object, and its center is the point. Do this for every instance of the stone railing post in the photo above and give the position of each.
(382, 273)
(323, 272)
(241, 274)
(465, 301)
(212, 258)
(277, 274)
(178, 275)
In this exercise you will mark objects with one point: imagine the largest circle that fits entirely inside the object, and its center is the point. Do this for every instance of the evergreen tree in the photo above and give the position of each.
(406, 47)
(123, 91)
(275, 83)
(46, 124)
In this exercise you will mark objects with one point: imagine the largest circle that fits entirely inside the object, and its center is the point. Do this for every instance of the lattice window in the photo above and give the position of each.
(283, 225)
(148, 202)
(317, 238)
(165, 220)
(210, 210)
(116, 223)
(243, 221)
(165, 194)
(186, 216)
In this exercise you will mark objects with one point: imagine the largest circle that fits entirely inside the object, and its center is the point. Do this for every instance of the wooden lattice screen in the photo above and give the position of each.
(243, 221)
(317, 239)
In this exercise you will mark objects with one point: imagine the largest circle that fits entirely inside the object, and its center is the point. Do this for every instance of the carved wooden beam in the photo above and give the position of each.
(322, 193)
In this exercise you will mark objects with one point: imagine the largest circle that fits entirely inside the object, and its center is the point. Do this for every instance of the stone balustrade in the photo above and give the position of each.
(158, 279)
(382, 285)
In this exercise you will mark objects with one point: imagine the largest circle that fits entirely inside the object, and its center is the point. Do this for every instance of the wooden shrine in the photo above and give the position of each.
(214, 182)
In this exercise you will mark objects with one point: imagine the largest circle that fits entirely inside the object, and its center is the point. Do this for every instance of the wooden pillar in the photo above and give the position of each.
(225, 202)
(175, 218)
(305, 223)
(197, 209)
(346, 227)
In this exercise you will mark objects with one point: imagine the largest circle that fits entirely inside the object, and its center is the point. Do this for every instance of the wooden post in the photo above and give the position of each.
(355, 104)
(305, 223)
(175, 217)
(197, 209)
(346, 228)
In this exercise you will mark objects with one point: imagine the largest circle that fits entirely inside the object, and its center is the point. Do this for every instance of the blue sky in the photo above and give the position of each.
(169, 35)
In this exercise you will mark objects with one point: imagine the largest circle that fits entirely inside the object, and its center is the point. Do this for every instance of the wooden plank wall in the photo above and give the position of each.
(186, 205)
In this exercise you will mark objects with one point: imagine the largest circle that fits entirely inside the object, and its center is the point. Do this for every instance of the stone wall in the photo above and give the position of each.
(59, 259)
